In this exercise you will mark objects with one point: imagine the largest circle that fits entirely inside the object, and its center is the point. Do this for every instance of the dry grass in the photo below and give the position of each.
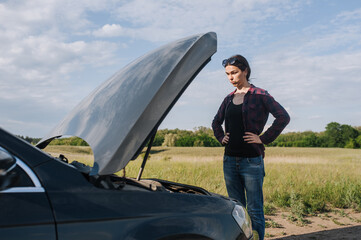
(307, 179)
(79, 153)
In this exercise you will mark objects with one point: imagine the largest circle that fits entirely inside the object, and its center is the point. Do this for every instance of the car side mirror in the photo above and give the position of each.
(7, 176)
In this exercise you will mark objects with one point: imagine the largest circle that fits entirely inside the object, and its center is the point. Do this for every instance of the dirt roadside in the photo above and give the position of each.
(336, 224)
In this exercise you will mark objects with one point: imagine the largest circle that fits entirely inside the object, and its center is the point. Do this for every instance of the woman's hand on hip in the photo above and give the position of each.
(225, 139)
(251, 138)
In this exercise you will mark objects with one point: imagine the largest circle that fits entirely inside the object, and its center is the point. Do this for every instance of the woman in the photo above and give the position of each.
(245, 112)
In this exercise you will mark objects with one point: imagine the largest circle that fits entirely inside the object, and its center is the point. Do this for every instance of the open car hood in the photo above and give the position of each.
(119, 117)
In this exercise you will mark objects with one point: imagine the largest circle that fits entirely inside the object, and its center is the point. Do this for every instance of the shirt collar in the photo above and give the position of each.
(252, 89)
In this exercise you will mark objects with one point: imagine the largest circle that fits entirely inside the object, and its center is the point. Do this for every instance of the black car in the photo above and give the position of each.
(43, 197)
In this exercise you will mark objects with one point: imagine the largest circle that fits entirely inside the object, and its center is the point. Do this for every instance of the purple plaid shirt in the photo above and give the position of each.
(257, 105)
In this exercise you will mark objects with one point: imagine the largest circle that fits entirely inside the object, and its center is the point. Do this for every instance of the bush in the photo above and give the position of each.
(71, 141)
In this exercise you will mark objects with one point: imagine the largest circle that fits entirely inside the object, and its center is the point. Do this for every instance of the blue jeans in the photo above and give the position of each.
(244, 181)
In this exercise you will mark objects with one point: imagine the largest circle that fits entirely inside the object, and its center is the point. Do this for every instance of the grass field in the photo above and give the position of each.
(304, 180)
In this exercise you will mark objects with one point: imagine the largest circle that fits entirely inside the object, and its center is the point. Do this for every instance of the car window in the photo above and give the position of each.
(27, 181)
(23, 180)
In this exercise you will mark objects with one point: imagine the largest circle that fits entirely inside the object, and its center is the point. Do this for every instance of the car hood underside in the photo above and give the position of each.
(119, 117)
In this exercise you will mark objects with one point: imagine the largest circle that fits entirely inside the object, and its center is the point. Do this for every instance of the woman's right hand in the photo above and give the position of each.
(225, 139)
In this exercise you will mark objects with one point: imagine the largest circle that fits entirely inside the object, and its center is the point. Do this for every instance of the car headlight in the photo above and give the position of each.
(243, 220)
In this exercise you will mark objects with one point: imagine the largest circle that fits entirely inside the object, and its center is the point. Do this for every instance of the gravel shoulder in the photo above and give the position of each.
(336, 224)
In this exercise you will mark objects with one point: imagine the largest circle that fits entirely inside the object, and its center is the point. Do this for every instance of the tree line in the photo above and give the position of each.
(335, 135)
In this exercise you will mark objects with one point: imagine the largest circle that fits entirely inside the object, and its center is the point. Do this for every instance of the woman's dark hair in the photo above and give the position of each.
(241, 62)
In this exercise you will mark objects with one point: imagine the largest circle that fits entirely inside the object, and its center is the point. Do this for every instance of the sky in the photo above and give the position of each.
(306, 53)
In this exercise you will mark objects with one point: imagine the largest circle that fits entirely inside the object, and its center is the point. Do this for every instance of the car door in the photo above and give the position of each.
(25, 212)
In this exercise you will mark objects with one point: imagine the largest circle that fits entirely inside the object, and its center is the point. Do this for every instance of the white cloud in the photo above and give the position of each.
(52, 49)
(109, 30)
(164, 20)
(346, 16)
(39, 54)
(314, 62)
(44, 60)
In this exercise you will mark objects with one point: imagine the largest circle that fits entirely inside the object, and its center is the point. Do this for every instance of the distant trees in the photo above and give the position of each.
(72, 141)
(340, 135)
(200, 137)
(30, 139)
(335, 135)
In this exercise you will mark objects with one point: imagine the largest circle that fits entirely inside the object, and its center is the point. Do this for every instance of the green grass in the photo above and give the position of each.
(305, 180)
(313, 187)
(272, 224)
